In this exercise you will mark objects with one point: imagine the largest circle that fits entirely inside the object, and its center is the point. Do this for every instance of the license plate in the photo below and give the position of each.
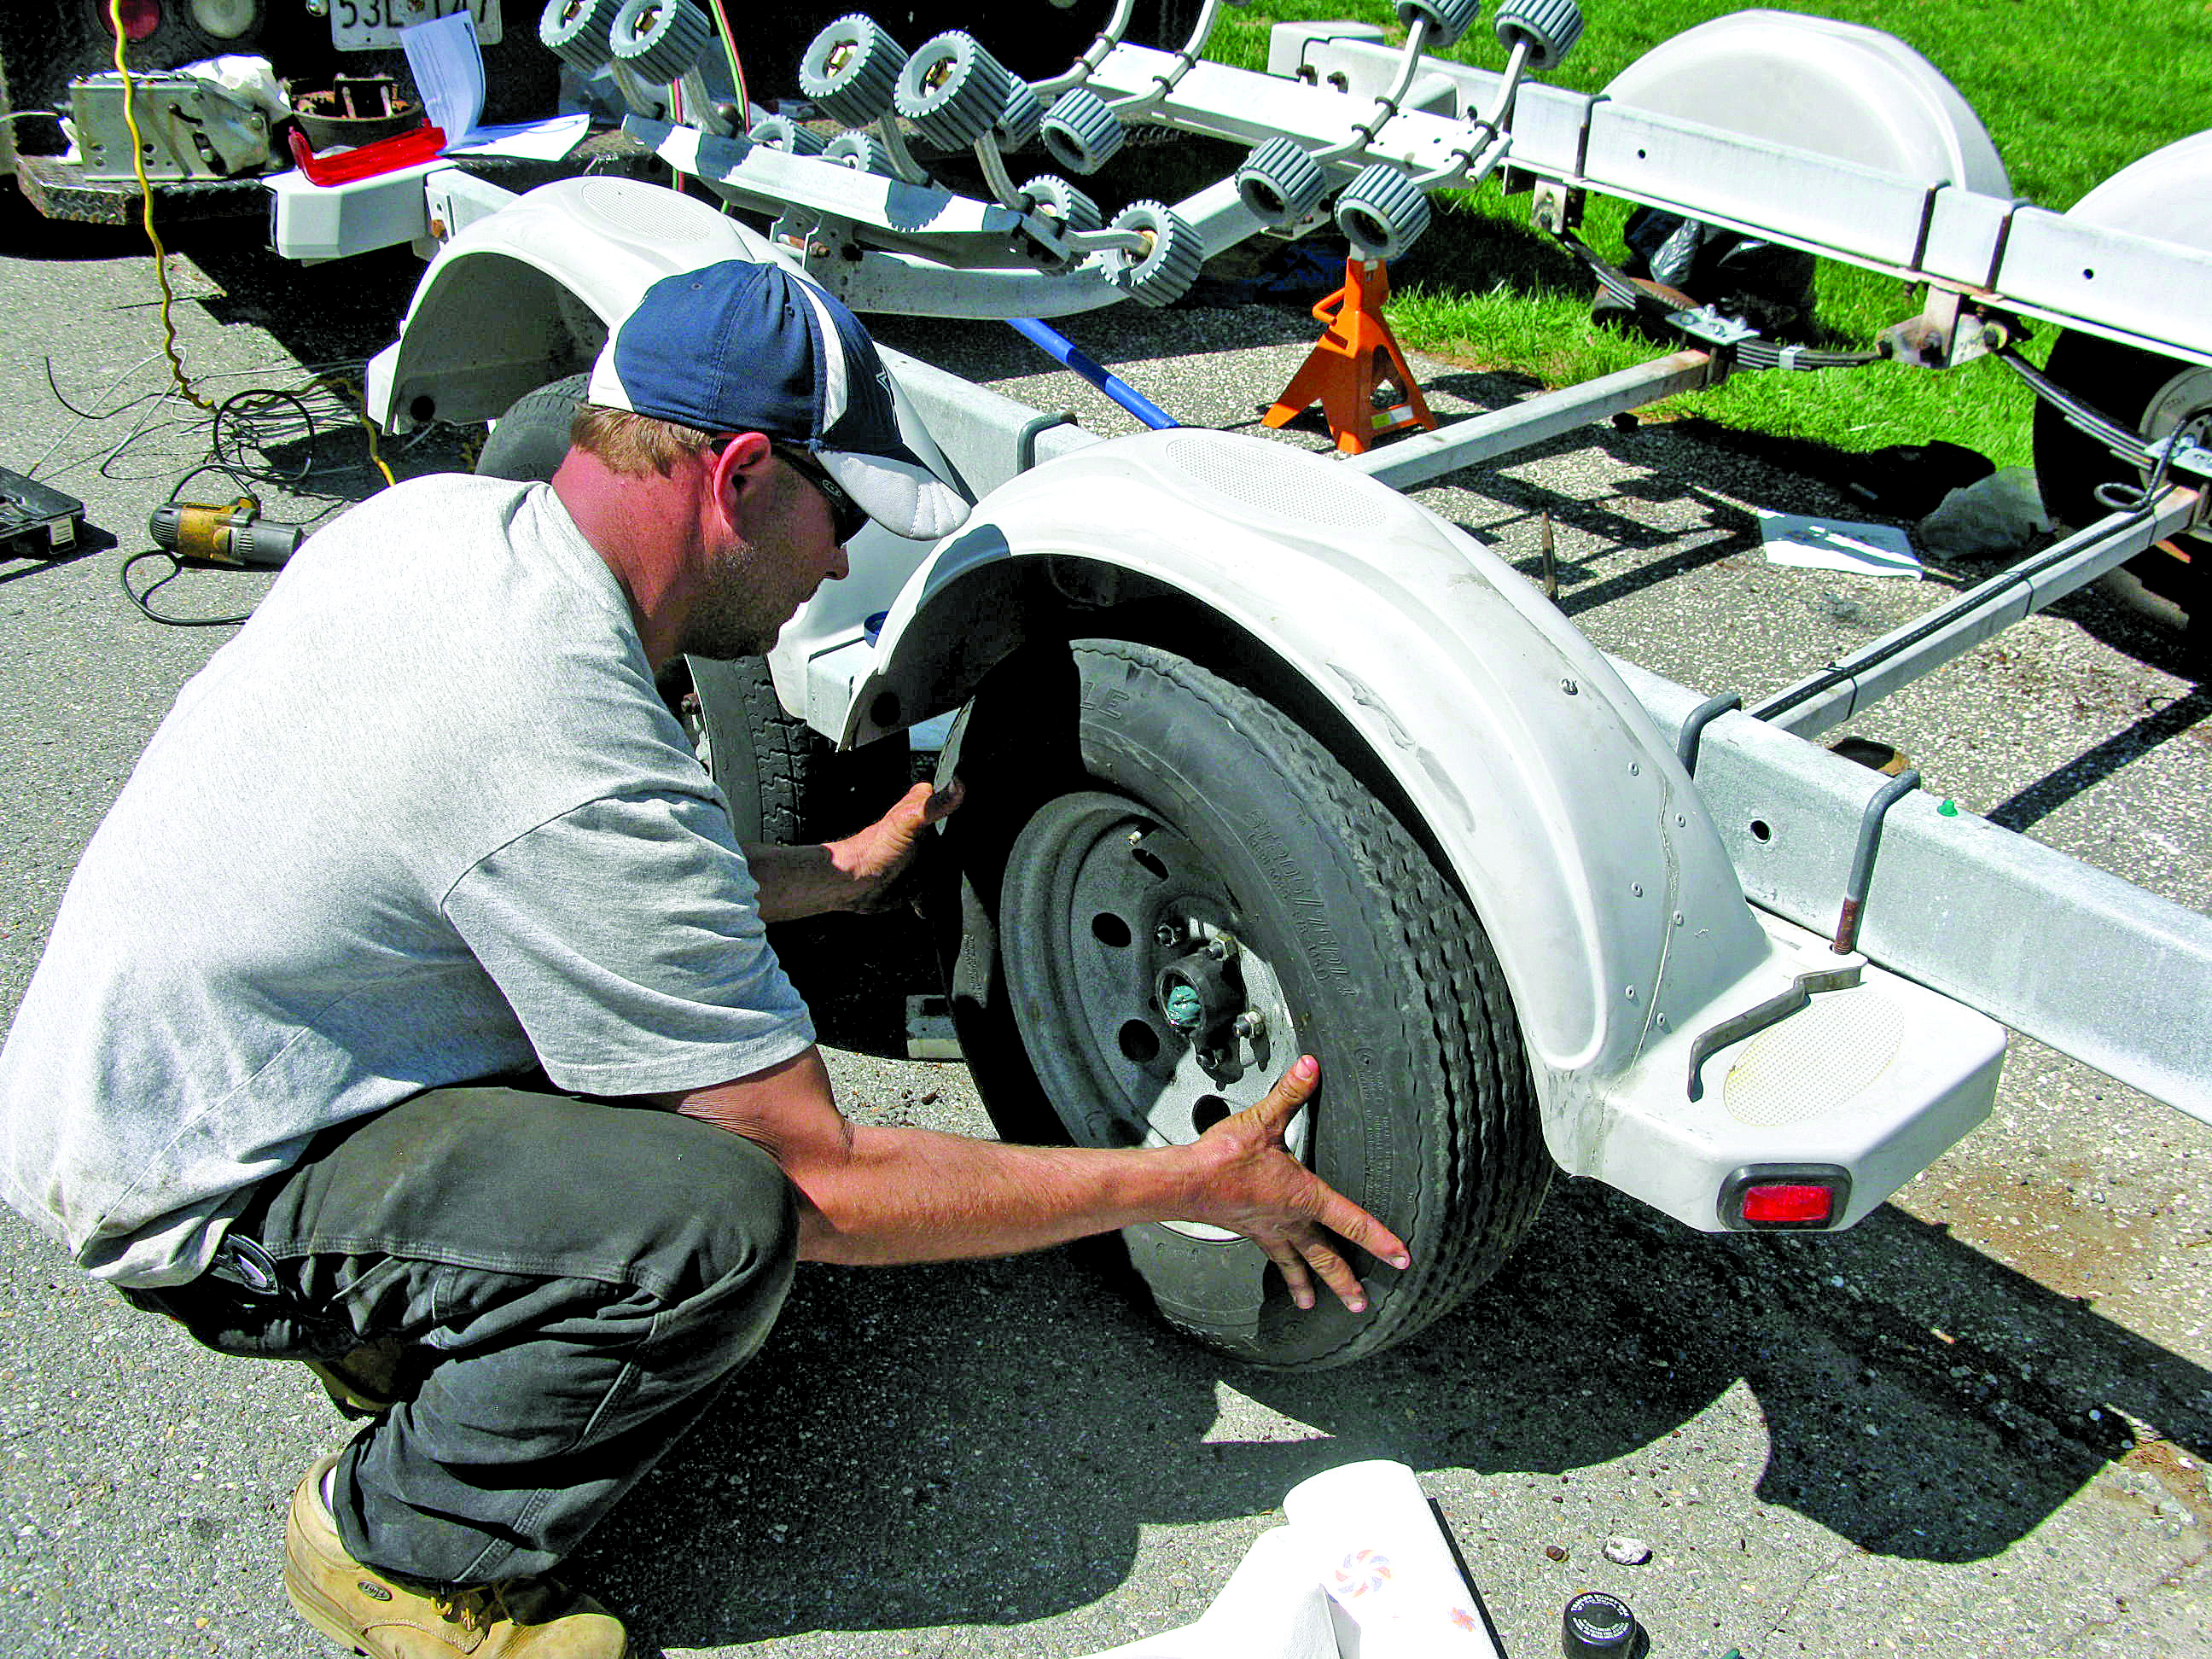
(374, 25)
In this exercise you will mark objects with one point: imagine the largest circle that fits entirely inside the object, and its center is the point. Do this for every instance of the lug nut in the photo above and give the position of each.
(1251, 1026)
(1166, 933)
(1221, 947)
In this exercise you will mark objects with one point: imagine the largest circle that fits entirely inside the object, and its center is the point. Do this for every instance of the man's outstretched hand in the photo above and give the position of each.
(1252, 1186)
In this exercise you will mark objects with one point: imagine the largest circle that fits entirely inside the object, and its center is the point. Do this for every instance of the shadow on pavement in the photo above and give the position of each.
(879, 1469)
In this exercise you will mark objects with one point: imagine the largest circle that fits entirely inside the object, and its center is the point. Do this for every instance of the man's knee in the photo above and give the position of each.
(724, 1241)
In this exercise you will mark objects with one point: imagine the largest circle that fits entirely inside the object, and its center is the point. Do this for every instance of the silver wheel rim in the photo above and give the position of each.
(1100, 898)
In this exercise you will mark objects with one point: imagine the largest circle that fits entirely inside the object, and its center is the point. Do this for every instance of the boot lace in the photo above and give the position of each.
(475, 1607)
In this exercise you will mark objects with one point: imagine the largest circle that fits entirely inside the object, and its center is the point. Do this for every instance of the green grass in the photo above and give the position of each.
(2071, 90)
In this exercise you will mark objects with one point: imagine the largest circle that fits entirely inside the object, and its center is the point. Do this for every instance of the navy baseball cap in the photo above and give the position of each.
(749, 347)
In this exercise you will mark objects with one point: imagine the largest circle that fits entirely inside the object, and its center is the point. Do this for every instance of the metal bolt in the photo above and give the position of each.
(1637, 888)
(1251, 1026)
(1165, 933)
(1221, 947)
(1136, 838)
(1569, 687)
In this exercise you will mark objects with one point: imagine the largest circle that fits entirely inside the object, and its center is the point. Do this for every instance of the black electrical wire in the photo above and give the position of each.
(176, 569)
(230, 408)
(177, 562)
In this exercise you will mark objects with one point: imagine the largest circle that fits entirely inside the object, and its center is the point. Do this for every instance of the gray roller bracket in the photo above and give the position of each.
(579, 32)
(953, 90)
(1550, 27)
(657, 40)
(1058, 199)
(1382, 212)
(851, 71)
(1280, 182)
(1164, 274)
(1448, 20)
(1081, 132)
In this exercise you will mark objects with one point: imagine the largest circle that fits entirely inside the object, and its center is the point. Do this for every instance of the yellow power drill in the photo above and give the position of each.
(233, 535)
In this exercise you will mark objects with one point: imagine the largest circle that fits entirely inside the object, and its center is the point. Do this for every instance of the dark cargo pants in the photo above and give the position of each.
(572, 1281)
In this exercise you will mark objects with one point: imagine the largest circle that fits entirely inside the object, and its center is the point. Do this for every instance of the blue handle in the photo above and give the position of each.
(1052, 340)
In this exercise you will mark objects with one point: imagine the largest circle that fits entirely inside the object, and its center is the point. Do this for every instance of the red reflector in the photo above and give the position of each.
(1787, 1203)
(140, 18)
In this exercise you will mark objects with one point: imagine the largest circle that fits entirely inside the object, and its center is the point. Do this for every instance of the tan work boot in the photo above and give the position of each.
(374, 1613)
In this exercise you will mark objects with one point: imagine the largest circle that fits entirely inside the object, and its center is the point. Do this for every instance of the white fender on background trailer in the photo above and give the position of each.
(2167, 196)
(1837, 89)
(522, 295)
(1635, 965)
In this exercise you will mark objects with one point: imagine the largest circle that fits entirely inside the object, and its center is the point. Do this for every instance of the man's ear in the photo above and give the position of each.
(742, 461)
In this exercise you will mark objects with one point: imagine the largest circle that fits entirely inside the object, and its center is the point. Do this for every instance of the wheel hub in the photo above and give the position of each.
(1146, 1017)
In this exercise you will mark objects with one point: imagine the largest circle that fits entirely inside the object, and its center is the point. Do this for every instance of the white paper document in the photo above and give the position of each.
(447, 64)
(548, 140)
(1869, 550)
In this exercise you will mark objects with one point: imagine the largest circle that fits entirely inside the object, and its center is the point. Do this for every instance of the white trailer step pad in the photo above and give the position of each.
(1877, 1079)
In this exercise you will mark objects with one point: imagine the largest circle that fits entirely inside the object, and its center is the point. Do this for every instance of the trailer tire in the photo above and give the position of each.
(1124, 806)
(2153, 396)
(529, 441)
(786, 783)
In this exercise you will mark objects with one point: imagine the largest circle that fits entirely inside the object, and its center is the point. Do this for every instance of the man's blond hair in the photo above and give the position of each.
(634, 444)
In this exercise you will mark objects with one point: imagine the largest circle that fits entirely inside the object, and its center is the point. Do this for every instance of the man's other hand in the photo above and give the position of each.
(881, 860)
(1254, 1187)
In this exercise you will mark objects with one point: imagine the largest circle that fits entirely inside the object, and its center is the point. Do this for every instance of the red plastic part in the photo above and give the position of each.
(1789, 1204)
(140, 18)
(404, 150)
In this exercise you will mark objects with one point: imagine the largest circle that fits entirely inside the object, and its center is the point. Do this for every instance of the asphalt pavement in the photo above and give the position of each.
(1976, 1424)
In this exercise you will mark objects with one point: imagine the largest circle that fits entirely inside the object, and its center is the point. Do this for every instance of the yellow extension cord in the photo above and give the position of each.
(185, 388)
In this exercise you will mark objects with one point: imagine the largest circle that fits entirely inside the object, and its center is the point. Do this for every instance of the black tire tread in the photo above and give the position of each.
(1493, 1122)
(1486, 1169)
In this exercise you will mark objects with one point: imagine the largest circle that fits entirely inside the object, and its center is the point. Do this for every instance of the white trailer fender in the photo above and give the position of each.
(1839, 89)
(524, 295)
(2166, 195)
(1573, 829)
(1653, 1003)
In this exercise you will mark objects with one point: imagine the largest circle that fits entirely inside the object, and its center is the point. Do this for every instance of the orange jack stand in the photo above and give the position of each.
(1356, 354)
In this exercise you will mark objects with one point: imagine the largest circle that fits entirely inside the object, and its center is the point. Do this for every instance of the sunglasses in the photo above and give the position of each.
(847, 518)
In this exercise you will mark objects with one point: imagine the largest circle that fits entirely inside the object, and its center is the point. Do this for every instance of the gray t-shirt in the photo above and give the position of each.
(424, 820)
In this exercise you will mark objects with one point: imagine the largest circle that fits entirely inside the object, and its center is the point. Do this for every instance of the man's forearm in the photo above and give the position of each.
(906, 1195)
(877, 1196)
(796, 881)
